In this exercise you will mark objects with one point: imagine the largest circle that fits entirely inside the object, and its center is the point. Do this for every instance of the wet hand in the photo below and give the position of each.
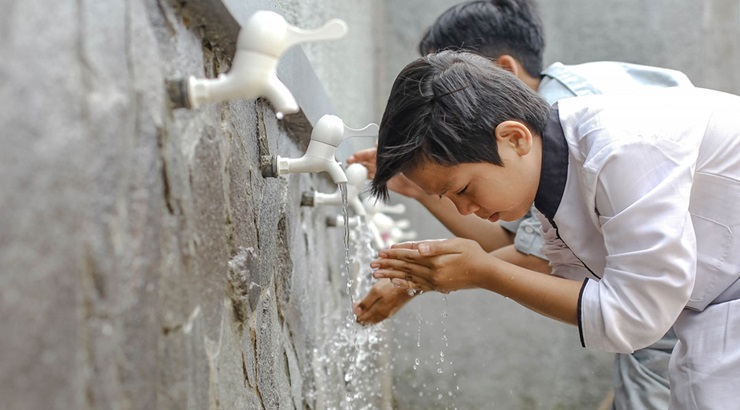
(382, 301)
(442, 265)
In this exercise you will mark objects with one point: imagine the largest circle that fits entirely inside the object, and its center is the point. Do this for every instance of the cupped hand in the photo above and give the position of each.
(382, 301)
(438, 265)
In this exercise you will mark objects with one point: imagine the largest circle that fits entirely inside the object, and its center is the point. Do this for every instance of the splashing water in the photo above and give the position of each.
(441, 361)
(352, 353)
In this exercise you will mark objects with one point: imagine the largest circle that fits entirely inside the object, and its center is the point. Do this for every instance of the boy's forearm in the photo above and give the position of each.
(548, 295)
(512, 255)
(490, 236)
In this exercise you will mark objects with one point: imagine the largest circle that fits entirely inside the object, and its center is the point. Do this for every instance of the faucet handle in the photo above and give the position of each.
(331, 130)
(370, 130)
(332, 30)
(393, 209)
(267, 32)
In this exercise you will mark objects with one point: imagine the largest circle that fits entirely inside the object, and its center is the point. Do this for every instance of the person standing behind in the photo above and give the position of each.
(510, 32)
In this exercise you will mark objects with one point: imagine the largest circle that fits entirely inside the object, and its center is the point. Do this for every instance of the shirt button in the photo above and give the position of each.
(528, 229)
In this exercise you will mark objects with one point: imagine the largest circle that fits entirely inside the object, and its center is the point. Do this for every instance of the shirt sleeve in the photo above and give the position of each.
(643, 189)
(528, 238)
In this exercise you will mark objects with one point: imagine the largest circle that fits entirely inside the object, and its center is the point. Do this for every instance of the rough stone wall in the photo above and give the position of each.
(144, 261)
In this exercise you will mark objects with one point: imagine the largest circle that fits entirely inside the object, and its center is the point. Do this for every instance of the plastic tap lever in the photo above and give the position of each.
(269, 33)
(331, 130)
(264, 37)
(333, 29)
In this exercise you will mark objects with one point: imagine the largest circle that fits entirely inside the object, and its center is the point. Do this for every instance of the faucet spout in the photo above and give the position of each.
(356, 177)
(311, 163)
(335, 198)
(326, 136)
(262, 40)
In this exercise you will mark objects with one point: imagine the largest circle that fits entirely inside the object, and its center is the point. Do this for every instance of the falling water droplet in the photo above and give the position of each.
(418, 332)
(279, 115)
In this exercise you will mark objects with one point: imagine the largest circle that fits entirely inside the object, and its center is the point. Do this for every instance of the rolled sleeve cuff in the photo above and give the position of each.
(591, 324)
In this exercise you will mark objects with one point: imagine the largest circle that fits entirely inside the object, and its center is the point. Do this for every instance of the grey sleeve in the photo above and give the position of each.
(528, 239)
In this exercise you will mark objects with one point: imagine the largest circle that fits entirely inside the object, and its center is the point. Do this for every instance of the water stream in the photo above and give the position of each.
(353, 353)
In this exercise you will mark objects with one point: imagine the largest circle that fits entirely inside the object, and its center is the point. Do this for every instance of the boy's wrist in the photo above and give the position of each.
(489, 277)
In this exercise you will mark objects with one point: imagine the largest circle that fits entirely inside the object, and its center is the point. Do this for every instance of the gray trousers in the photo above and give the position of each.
(641, 378)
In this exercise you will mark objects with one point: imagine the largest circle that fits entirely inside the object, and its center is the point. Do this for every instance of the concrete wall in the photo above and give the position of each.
(144, 260)
(496, 353)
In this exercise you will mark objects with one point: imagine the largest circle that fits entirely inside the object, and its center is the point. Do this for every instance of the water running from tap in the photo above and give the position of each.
(347, 259)
(353, 353)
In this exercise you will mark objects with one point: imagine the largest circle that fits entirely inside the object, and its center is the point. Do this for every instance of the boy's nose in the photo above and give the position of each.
(465, 207)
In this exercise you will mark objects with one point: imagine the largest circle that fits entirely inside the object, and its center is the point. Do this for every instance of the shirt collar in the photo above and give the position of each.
(554, 171)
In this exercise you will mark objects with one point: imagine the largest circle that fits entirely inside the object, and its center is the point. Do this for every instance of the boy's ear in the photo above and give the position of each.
(514, 134)
(509, 64)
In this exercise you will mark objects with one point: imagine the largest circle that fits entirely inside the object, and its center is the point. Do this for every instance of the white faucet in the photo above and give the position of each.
(262, 40)
(392, 231)
(373, 206)
(326, 136)
(356, 177)
(355, 221)
(338, 220)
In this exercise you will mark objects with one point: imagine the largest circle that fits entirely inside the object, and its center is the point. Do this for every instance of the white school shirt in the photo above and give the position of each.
(599, 77)
(640, 198)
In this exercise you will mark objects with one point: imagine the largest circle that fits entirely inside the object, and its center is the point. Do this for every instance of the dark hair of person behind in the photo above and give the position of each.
(491, 28)
(444, 108)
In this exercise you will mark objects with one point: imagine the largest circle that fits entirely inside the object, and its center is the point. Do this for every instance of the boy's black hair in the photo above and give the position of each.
(444, 108)
(491, 28)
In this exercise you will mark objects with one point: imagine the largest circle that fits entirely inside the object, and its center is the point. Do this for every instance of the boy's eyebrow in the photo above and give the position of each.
(443, 191)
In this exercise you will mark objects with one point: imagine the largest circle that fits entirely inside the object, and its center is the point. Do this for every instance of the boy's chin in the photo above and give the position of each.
(511, 217)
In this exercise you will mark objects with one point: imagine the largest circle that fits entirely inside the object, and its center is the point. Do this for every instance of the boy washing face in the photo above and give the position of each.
(510, 33)
(632, 191)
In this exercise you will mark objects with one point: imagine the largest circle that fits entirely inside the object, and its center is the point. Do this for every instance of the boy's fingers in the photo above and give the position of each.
(391, 273)
(404, 280)
(403, 259)
(392, 265)
(364, 155)
(402, 283)
(427, 248)
(439, 247)
(403, 245)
